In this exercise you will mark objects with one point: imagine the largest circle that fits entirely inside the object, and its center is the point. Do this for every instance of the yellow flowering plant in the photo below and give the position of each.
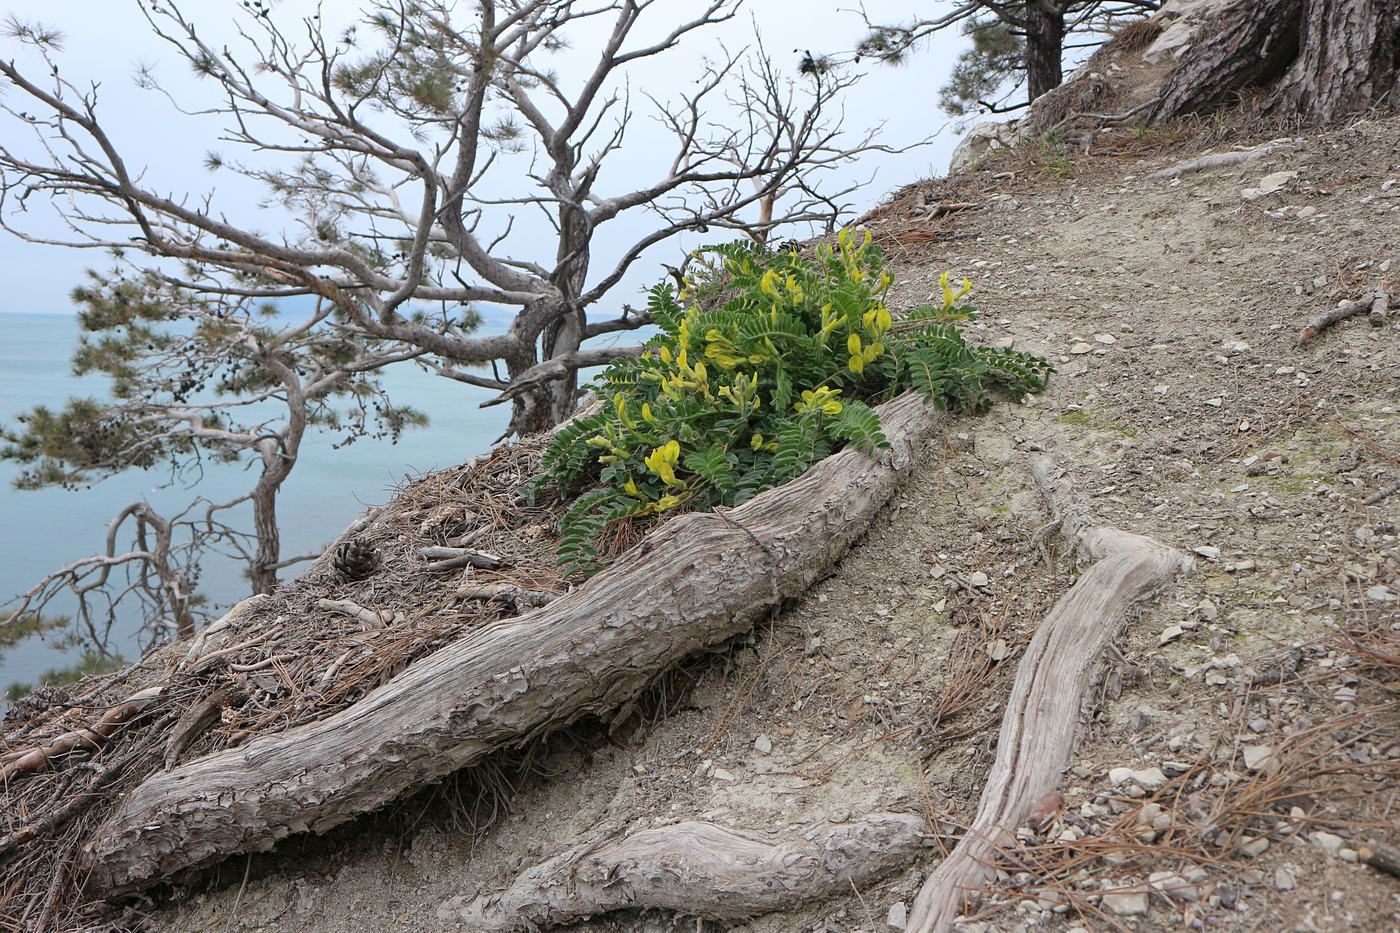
(763, 364)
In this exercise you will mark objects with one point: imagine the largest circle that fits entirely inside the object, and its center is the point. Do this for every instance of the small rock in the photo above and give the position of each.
(1119, 775)
(1327, 842)
(1258, 727)
(1255, 847)
(719, 774)
(1170, 633)
(1234, 347)
(1275, 181)
(977, 579)
(1215, 402)
(1380, 593)
(1126, 903)
(1206, 609)
(1106, 339)
(1305, 213)
(763, 745)
(1348, 855)
(1257, 757)
(1173, 885)
(1079, 349)
(1283, 880)
(997, 649)
(1208, 552)
(898, 916)
(1150, 778)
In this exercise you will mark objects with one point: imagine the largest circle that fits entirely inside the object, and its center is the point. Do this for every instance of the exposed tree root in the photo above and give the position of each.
(698, 869)
(1037, 731)
(586, 653)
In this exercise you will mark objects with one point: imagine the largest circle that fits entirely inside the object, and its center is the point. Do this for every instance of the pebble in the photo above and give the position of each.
(1380, 593)
(763, 745)
(1105, 339)
(1307, 212)
(1215, 402)
(1150, 778)
(1255, 847)
(1173, 885)
(1079, 349)
(1257, 757)
(1258, 726)
(977, 579)
(1235, 347)
(1170, 633)
(1283, 880)
(1327, 842)
(898, 915)
(1119, 775)
(1126, 903)
(719, 774)
(1348, 855)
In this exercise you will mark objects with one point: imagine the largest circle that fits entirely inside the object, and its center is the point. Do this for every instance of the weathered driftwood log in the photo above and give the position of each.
(696, 582)
(700, 870)
(1037, 730)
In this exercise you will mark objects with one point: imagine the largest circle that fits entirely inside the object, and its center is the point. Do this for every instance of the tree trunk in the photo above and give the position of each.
(1045, 39)
(1349, 60)
(1326, 58)
(585, 654)
(264, 567)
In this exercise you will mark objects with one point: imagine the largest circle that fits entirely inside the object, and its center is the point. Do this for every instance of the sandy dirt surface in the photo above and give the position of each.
(1184, 408)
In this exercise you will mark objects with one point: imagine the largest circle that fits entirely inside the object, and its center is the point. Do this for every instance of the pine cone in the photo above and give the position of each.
(357, 559)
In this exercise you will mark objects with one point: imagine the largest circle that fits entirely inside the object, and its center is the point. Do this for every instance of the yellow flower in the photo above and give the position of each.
(795, 290)
(885, 280)
(769, 284)
(873, 351)
(665, 354)
(856, 364)
(620, 404)
(853, 344)
(631, 488)
(663, 460)
(822, 398)
(667, 501)
(756, 441)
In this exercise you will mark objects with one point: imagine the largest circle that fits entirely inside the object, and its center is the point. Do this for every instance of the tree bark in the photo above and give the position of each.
(586, 653)
(1042, 712)
(1326, 59)
(1045, 39)
(1348, 62)
(698, 869)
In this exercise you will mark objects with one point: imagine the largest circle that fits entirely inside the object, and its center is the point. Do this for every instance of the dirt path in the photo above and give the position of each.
(1186, 409)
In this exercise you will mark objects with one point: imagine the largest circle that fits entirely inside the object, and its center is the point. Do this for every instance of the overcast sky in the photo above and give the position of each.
(107, 40)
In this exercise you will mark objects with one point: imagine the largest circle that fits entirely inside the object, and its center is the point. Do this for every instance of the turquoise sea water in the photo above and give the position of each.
(40, 531)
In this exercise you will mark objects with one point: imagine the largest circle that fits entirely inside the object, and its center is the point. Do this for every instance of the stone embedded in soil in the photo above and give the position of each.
(1173, 885)
(898, 915)
(1119, 775)
(977, 579)
(1207, 551)
(1255, 847)
(1107, 339)
(763, 745)
(1327, 842)
(1257, 757)
(719, 774)
(1079, 349)
(1126, 903)
(1380, 594)
(1348, 855)
(1284, 880)
(1170, 633)
(1150, 778)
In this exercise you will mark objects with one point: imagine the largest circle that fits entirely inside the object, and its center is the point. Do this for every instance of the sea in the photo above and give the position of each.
(43, 530)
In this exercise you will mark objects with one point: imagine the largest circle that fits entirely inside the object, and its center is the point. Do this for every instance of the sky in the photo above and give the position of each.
(107, 41)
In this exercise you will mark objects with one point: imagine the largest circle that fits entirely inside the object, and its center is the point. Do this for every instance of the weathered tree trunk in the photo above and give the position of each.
(1325, 58)
(698, 869)
(586, 653)
(1045, 39)
(1348, 60)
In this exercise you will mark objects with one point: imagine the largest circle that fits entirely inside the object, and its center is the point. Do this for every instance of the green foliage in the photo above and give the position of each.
(997, 55)
(765, 363)
(91, 663)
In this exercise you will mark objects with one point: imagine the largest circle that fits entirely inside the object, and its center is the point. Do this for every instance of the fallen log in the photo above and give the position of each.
(698, 869)
(693, 584)
(1037, 730)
